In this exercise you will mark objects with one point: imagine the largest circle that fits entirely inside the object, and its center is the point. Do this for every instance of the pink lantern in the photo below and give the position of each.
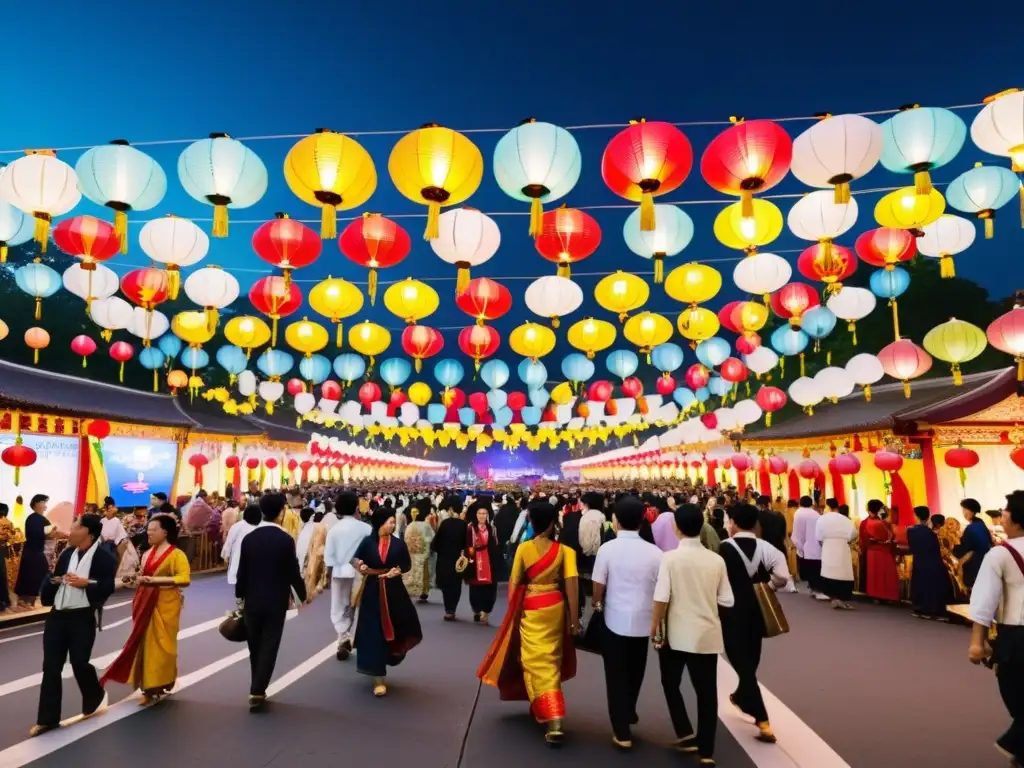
(709, 420)
(777, 465)
(1006, 333)
(808, 469)
(740, 462)
(697, 376)
(84, 346)
(846, 464)
(888, 461)
(296, 387)
(904, 360)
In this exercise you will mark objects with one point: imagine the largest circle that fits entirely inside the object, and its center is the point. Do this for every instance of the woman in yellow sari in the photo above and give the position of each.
(533, 653)
(149, 660)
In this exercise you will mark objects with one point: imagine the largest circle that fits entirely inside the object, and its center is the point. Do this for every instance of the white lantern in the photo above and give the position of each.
(747, 412)
(726, 419)
(304, 403)
(271, 392)
(466, 238)
(553, 297)
(761, 273)
(223, 172)
(999, 128)
(43, 186)
(91, 284)
(866, 369)
(835, 151)
(175, 243)
(834, 382)
(148, 324)
(761, 360)
(246, 383)
(852, 304)
(818, 217)
(213, 289)
(945, 238)
(111, 314)
(806, 393)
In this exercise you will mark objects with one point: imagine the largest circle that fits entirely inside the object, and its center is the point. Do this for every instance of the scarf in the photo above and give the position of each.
(81, 568)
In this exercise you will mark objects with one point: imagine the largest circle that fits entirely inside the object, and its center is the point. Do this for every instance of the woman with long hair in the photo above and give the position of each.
(484, 555)
(418, 536)
(149, 660)
(532, 653)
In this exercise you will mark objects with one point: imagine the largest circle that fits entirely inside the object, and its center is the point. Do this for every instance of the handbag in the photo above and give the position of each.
(775, 622)
(592, 639)
(233, 628)
(465, 566)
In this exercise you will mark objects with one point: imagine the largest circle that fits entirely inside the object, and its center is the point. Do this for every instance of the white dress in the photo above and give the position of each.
(835, 532)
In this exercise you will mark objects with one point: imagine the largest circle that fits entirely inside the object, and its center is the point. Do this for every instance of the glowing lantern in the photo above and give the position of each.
(672, 232)
(733, 370)
(330, 171)
(411, 300)
(553, 297)
(212, 289)
(83, 346)
(865, 369)
(818, 217)
(999, 129)
(955, 342)
(747, 233)
(369, 339)
(770, 399)
(90, 285)
(479, 342)
(38, 281)
(645, 160)
(336, 299)
(888, 461)
(16, 227)
(36, 338)
(806, 393)
(981, 191)
(111, 314)
(435, 166)
(750, 156)
(761, 360)
(591, 336)
(537, 162)
(834, 382)
(376, 242)
(761, 274)
(224, 173)
(667, 357)
(622, 362)
(1006, 333)
(903, 209)
(885, 247)
(175, 243)
(697, 324)
(647, 330)
(419, 393)
(920, 139)
(851, 304)
(831, 264)
(891, 284)
(835, 151)
(792, 300)
(621, 293)
(945, 238)
(330, 390)
(713, 352)
(87, 238)
(123, 179)
(693, 283)
(466, 238)
(41, 185)
(567, 236)
(122, 352)
(177, 380)
(193, 329)
(18, 456)
(904, 360)
(349, 367)
(484, 300)
(421, 342)
(532, 340)
(275, 297)
(247, 333)
(961, 459)
(306, 337)
(287, 244)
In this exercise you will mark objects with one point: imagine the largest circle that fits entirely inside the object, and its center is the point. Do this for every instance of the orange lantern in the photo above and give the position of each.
(36, 338)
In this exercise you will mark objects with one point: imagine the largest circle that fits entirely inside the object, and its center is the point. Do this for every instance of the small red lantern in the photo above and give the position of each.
(665, 385)
(750, 156)
(275, 297)
(961, 459)
(396, 400)
(478, 402)
(710, 421)
(287, 244)
(421, 342)
(516, 401)
(748, 343)
(740, 462)
(296, 386)
(148, 287)
(733, 370)
(484, 300)
(330, 390)
(808, 469)
(292, 465)
(270, 463)
(792, 300)
(376, 242)
(122, 352)
(697, 376)
(232, 462)
(479, 342)
(252, 463)
(885, 247)
(87, 238)
(369, 393)
(770, 399)
(197, 461)
(777, 465)
(632, 387)
(828, 263)
(18, 456)
(453, 397)
(846, 464)
(567, 236)
(98, 428)
(904, 360)
(888, 461)
(84, 346)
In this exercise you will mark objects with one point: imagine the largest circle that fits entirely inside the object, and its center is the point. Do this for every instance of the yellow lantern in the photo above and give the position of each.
(697, 324)
(419, 393)
(750, 316)
(532, 340)
(435, 166)
(411, 300)
(369, 339)
(647, 330)
(192, 327)
(331, 171)
(621, 293)
(748, 233)
(306, 337)
(562, 394)
(336, 299)
(955, 342)
(247, 332)
(906, 209)
(591, 336)
(693, 283)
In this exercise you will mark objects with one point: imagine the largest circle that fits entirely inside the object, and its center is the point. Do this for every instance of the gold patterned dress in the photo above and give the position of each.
(418, 536)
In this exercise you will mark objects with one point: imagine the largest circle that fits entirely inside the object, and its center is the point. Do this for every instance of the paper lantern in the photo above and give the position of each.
(835, 151)
(693, 283)
(1006, 333)
(532, 340)
(577, 368)
(192, 328)
(748, 343)
(230, 357)
(421, 342)
(435, 166)
(376, 242)
(760, 360)
(306, 337)
(621, 293)
(537, 163)
(789, 342)
(904, 360)
(646, 331)
(466, 238)
(247, 332)
(286, 244)
(275, 297)
(645, 160)
(806, 393)
(38, 281)
(792, 300)
(36, 338)
(213, 289)
(395, 371)
(330, 390)
(667, 357)
(672, 232)
(981, 191)
(110, 314)
(336, 299)
(369, 393)
(865, 369)
(761, 274)
(174, 243)
(697, 324)
(123, 179)
(733, 370)
(697, 376)
(484, 300)
(999, 127)
(479, 342)
(90, 284)
(121, 352)
(818, 217)
(851, 304)
(274, 364)
(590, 336)
(177, 380)
(831, 264)
(419, 393)
(961, 459)
(411, 300)
(224, 173)
(83, 346)
(920, 139)
(98, 428)
(567, 236)
(885, 247)
(43, 186)
(748, 157)
(18, 456)
(770, 399)
(495, 373)
(808, 469)
(553, 297)
(87, 238)
(904, 209)
(834, 383)
(622, 363)
(713, 352)
(369, 339)
(955, 342)
(348, 367)
(665, 385)
(330, 171)
(742, 232)
(945, 238)
(888, 461)
(16, 227)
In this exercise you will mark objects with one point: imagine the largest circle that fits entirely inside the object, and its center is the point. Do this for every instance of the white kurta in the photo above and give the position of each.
(835, 532)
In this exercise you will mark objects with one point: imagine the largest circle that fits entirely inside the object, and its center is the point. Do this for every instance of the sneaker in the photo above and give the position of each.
(823, 598)
(344, 651)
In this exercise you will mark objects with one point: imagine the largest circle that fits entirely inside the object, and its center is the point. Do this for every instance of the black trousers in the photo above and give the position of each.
(625, 660)
(1009, 658)
(482, 597)
(68, 634)
(451, 593)
(264, 630)
(810, 571)
(743, 647)
(704, 677)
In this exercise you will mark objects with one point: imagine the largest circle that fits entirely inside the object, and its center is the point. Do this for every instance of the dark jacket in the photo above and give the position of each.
(449, 543)
(268, 571)
(102, 571)
(505, 522)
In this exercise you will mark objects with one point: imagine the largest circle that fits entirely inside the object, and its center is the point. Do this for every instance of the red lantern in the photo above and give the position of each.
(697, 376)
(904, 360)
(270, 463)
(369, 393)
(792, 300)
(1017, 456)
(645, 160)
(567, 236)
(777, 465)
(665, 385)
(600, 391)
(478, 402)
(98, 428)
(397, 399)
(726, 316)
(887, 461)
(751, 156)
(828, 263)
(1006, 333)
(748, 343)
(275, 297)
(885, 247)
(478, 341)
(305, 466)
(122, 352)
(330, 390)
(18, 456)
(710, 421)
(146, 287)
(516, 401)
(287, 244)
(292, 465)
(632, 387)
(846, 464)
(770, 399)
(455, 398)
(252, 463)
(87, 238)
(376, 242)
(296, 387)
(197, 461)
(740, 462)
(232, 462)
(484, 300)
(421, 342)
(961, 459)
(808, 469)
(84, 346)
(732, 370)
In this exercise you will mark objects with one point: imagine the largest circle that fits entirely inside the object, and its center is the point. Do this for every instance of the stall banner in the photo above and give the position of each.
(137, 467)
(54, 474)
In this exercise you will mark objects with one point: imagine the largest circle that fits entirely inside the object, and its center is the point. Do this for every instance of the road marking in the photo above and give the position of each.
(294, 675)
(36, 634)
(42, 617)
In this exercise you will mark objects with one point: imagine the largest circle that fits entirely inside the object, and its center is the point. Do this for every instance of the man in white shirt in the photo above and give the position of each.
(808, 548)
(625, 573)
(231, 552)
(113, 536)
(342, 542)
(999, 590)
(692, 584)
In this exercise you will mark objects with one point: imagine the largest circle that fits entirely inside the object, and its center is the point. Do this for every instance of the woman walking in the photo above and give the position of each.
(418, 536)
(449, 544)
(484, 554)
(34, 566)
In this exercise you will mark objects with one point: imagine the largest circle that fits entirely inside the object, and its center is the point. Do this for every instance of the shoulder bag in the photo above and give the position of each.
(775, 622)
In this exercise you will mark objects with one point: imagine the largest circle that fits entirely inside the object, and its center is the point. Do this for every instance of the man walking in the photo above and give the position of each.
(342, 542)
(808, 548)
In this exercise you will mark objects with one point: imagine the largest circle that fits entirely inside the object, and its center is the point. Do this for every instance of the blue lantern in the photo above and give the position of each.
(667, 357)
(232, 359)
(152, 359)
(349, 366)
(981, 191)
(467, 417)
(224, 173)
(531, 415)
(622, 363)
(713, 352)
(539, 397)
(436, 413)
(576, 367)
(818, 322)
(38, 281)
(195, 358)
(718, 386)
(448, 372)
(496, 399)
(275, 363)
(503, 417)
(672, 232)
(16, 227)
(789, 341)
(170, 345)
(889, 283)
(702, 394)
(315, 368)
(533, 373)
(495, 374)
(920, 140)
(395, 371)
(684, 398)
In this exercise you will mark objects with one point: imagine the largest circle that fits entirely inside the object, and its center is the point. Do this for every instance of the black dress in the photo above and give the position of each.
(388, 626)
(449, 543)
(33, 568)
(483, 581)
(930, 588)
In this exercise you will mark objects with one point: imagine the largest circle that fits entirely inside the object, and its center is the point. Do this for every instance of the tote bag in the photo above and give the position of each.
(775, 622)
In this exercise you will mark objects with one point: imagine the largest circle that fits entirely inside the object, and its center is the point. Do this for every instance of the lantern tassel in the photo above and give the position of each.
(212, 319)
(747, 204)
(85, 360)
(647, 222)
(339, 335)
(328, 222)
(867, 392)
(922, 183)
(842, 195)
(220, 221)
(35, 357)
(958, 376)
(432, 232)
(107, 335)
(1020, 369)
(906, 389)
(476, 365)
(173, 282)
(121, 228)
(895, 319)
(659, 268)
(564, 270)
(419, 364)
(120, 376)
(852, 328)
(990, 223)
(42, 230)
(273, 331)
(828, 357)
(3, 253)
(39, 308)
(803, 368)
(536, 217)
(156, 381)
(947, 269)
(555, 322)
(462, 279)
(371, 287)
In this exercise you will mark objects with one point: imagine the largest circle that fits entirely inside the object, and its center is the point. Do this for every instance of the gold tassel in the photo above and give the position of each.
(372, 287)
(476, 364)
(42, 232)
(462, 279)
(536, 217)
(564, 269)
(39, 308)
(895, 319)
(747, 204)
(107, 335)
(782, 367)
(922, 183)
(120, 375)
(3, 253)
(212, 319)
(990, 227)
(1020, 369)
(328, 222)
(852, 328)
(220, 221)
(121, 228)
(35, 357)
(419, 364)
(339, 335)
(867, 392)
(273, 330)
(156, 381)
(828, 357)
(958, 376)
(842, 195)
(659, 268)
(173, 281)
(803, 369)
(768, 419)
(555, 322)
(432, 232)
(827, 264)
(647, 222)
(946, 267)
(85, 360)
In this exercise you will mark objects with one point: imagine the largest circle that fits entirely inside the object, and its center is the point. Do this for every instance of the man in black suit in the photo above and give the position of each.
(77, 589)
(268, 572)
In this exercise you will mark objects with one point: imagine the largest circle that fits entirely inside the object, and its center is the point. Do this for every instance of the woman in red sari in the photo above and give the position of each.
(149, 660)
(878, 551)
(482, 549)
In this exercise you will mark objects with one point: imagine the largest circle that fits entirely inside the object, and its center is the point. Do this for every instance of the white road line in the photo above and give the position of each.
(799, 746)
(42, 616)
(26, 751)
(36, 634)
